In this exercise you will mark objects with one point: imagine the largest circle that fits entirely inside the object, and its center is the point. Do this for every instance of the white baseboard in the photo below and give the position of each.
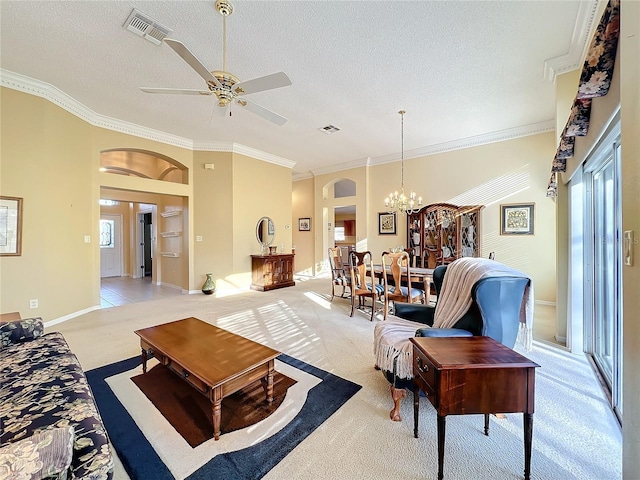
(545, 302)
(71, 315)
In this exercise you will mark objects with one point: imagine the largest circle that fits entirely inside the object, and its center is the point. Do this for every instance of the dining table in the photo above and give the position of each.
(418, 274)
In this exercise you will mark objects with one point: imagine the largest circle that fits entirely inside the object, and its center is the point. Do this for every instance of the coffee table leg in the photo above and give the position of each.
(217, 409)
(270, 386)
(144, 361)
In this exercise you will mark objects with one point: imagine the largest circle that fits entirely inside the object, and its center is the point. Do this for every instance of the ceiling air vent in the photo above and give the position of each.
(329, 129)
(145, 27)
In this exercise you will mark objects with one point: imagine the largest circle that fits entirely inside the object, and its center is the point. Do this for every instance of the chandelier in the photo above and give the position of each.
(400, 202)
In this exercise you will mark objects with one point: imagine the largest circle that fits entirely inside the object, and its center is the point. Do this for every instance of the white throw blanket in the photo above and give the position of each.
(455, 297)
(391, 345)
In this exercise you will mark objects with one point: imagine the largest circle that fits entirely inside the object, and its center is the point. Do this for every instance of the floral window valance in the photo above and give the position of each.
(595, 81)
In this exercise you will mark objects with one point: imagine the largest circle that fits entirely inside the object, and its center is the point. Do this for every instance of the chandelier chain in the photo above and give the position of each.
(402, 112)
(400, 202)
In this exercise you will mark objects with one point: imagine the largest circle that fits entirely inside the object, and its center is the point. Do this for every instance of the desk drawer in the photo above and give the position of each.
(186, 375)
(424, 372)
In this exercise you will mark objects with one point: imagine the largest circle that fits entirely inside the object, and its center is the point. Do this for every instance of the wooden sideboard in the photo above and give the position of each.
(269, 272)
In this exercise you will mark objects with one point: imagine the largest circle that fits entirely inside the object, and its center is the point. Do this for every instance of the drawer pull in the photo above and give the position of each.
(185, 374)
(423, 368)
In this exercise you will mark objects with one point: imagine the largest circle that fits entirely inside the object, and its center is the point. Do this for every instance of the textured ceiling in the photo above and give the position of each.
(460, 69)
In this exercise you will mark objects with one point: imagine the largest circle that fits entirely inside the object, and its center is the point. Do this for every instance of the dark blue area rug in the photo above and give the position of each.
(141, 461)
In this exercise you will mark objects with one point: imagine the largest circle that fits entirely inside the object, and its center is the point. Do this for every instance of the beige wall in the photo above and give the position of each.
(513, 171)
(46, 160)
(630, 99)
(51, 159)
(260, 190)
(325, 203)
(303, 206)
(213, 218)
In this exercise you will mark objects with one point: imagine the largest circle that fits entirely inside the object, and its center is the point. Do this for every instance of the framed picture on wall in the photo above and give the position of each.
(304, 224)
(10, 226)
(386, 223)
(516, 218)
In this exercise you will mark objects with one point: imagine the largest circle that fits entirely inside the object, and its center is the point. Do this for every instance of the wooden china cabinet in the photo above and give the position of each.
(269, 272)
(441, 233)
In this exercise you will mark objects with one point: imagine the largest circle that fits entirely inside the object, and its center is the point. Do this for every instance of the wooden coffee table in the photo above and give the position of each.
(214, 361)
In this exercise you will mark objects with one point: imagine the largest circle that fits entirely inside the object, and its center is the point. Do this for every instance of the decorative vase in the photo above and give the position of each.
(209, 286)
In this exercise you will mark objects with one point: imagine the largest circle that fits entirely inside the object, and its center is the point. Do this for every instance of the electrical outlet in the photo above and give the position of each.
(87, 239)
(198, 238)
(33, 303)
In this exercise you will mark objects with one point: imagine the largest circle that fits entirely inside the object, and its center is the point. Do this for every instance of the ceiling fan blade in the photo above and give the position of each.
(175, 91)
(262, 112)
(268, 82)
(193, 62)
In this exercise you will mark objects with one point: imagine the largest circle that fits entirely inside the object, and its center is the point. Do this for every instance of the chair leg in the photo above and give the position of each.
(397, 394)
(373, 306)
(353, 305)
(333, 290)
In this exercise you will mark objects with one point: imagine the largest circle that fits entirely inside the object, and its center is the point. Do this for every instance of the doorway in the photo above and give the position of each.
(603, 286)
(344, 232)
(145, 243)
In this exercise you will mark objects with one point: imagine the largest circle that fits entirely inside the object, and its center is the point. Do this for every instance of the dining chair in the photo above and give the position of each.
(340, 275)
(363, 281)
(396, 266)
(412, 256)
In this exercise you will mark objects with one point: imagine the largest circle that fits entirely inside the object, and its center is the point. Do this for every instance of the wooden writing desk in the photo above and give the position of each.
(471, 375)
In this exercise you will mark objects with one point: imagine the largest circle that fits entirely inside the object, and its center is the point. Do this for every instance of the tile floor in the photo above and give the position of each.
(116, 291)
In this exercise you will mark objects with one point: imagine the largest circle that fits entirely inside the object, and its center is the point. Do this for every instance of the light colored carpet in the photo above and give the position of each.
(574, 436)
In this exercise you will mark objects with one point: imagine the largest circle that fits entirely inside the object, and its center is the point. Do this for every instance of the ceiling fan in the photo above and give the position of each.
(224, 85)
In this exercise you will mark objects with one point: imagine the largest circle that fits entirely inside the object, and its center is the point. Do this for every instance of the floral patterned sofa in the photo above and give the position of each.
(49, 423)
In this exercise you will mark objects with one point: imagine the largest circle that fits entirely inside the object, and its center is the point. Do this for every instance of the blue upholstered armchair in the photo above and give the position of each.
(496, 308)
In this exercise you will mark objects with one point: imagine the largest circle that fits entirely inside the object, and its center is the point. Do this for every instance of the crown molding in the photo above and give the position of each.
(29, 85)
(56, 96)
(361, 162)
(469, 142)
(460, 144)
(243, 150)
(582, 32)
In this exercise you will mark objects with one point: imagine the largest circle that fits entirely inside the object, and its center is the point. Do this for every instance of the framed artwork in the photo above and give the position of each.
(304, 224)
(516, 218)
(386, 223)
(10, 226)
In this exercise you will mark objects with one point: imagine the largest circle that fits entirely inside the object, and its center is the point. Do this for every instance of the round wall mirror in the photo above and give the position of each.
(265, 231)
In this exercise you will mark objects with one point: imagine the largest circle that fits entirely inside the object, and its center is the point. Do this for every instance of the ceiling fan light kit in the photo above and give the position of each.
(224, 85)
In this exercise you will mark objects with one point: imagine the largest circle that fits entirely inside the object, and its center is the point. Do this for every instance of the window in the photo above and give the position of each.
(107, 233)
(339, 234)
